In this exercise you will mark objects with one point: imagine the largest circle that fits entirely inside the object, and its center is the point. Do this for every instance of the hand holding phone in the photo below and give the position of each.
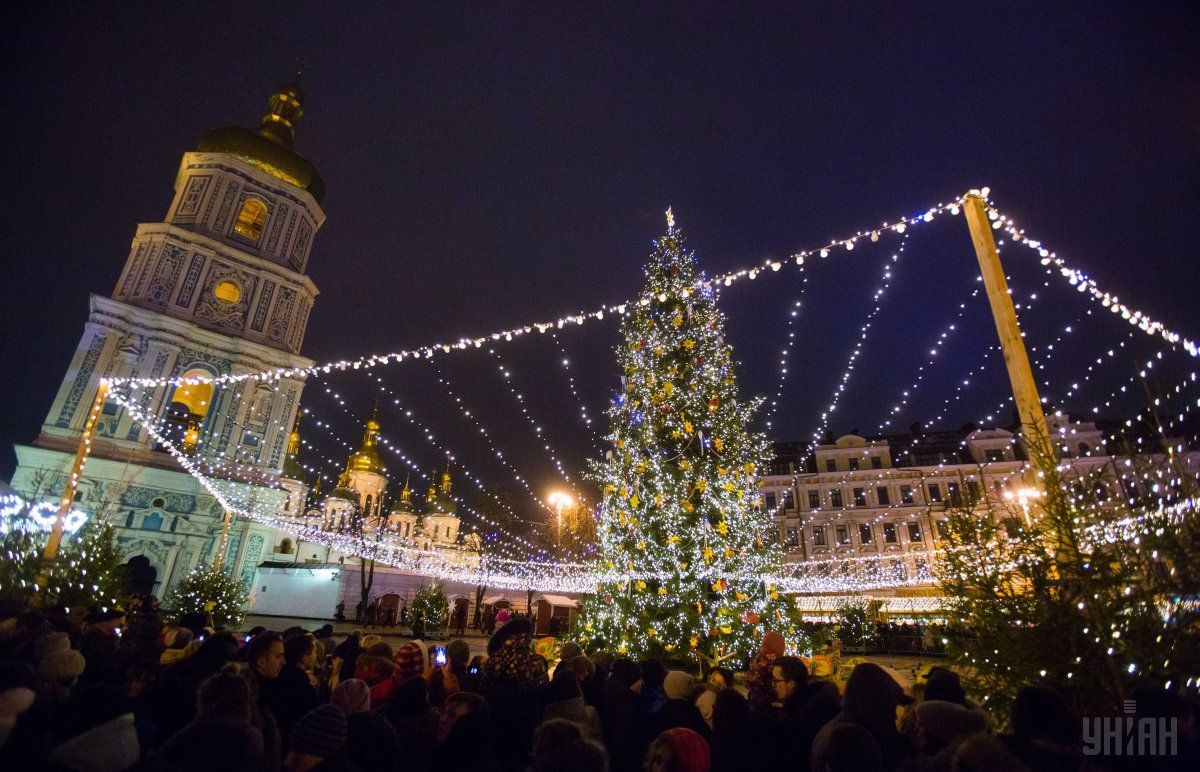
(439, 655)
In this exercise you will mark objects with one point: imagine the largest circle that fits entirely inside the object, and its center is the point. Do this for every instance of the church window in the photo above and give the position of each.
(251, 219)
(158, 503)
(227, 292)
(285, 547)
(188, 406)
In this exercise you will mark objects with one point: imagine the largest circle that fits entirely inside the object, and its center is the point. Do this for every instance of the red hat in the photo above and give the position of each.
(409, 662)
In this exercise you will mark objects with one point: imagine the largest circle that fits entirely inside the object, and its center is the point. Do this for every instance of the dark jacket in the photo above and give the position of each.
(371, 742)
(800, 718)
(288, 696)
(624, 733)
(206, 745)
(678, 713)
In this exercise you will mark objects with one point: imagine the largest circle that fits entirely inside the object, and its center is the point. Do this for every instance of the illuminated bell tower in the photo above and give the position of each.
(217, 288)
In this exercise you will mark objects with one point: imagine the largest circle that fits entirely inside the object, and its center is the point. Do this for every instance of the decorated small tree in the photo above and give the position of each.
(682, 525)
(210, 592)
(90, 569)
(1084, 581)
(429, 609)
(21, 544)
(854, 629)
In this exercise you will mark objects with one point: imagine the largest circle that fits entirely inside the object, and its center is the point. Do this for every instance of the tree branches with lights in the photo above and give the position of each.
(1087, 581)
(681, 514)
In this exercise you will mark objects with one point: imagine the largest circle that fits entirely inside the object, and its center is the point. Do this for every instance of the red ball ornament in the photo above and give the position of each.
(750, 618)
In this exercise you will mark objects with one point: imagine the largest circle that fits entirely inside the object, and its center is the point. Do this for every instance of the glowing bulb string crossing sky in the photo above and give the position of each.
(565, 361)
(785, 354)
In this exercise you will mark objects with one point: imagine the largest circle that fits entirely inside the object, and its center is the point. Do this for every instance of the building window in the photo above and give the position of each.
(819, 535)
(769, 500)
(789, 501)
(854, 465)
(994, 454)
(843, 534)
(884, 496)
(877, 462)
(250, 439)
(814, 499)
(835, 498)
(889, 533)
(914, 531)
(227, 292)
(860, 497)
(865, 535)
(954, 494)
(943, 529)
(285, 547)
(906, 494)
(1012, 527)
(793, 537)
(974, 493)
(251, 219)
(935, 493)
(830, 465)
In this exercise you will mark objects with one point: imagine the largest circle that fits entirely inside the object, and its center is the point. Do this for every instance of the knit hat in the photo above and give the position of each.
(678, 685)
(49, 643)
(353, 696)
(945, 721)
(61, 667)
(320, 732)
(691, 750)
(569, 651)
(409, 662)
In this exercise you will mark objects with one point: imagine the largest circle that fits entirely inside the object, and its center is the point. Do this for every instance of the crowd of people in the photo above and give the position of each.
(132, 691)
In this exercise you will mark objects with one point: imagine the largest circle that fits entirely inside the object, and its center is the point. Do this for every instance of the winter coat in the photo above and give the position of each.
(624, 733)
(371, 743)
(288, 696)
(108, 747)
(578, 712)
(799, 720)
(678, 713)
(206, 745)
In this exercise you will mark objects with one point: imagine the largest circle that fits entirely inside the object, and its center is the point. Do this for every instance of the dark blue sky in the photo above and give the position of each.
(495, 163)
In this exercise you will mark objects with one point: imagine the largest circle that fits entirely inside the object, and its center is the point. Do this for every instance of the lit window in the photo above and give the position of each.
(843, 534)
(251, 219)
(227, 292)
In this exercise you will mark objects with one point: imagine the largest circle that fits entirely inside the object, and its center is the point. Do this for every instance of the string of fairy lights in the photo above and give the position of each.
(209, 469)
(785, 355)
(565, 361)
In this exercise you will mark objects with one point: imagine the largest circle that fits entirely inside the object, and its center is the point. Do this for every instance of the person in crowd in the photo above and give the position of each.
(804, 708)
(318, 742)
(371, 741)
(415, 723)
(760, 686)
(942, 725)
(851, 748)
(512, 682)
(58, 665)
(678, 750)
(502, 617)
(93, 731)
(624, 731)
(564, 701)
(735, 744)
(1045, 732)
(174, 693)
(553, 734)
(982, 752)
(345, 656)
(176, 640)
(22, 727)
(291, 693)
(870, 700)
(98, 644)
(679, 709)
(223, 735)
(378, 673)
(569, 651)
(719, 679)
(458, 656)
(574, 756)
(466, 736)
(371, 610)
(593, 686)
(652, 696)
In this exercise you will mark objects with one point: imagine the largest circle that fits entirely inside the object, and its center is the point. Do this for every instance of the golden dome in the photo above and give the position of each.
(291, 465)
(270, 148)
(366, 458)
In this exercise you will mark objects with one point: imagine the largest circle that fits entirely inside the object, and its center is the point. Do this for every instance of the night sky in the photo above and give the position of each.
(492, 165)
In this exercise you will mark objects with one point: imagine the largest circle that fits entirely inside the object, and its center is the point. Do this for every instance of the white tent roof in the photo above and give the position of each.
(559, 600)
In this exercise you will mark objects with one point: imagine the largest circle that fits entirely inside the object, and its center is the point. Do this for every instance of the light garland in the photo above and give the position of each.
(565, 361)
(506, 373)
(786, 354)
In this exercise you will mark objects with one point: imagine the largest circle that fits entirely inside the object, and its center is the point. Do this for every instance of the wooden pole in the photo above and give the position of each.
(1016, 359)
(72, 485)
(224, 541)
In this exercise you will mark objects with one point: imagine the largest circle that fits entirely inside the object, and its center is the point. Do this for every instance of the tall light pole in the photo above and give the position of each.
(558, 500)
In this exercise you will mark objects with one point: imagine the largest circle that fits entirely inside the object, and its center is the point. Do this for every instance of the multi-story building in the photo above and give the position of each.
(855, 496)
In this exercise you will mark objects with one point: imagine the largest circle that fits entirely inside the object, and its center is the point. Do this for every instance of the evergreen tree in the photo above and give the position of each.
(89, 571)
(430, 609)
(682, 525)
(209, 591)
(1087, 583)
(21, 545)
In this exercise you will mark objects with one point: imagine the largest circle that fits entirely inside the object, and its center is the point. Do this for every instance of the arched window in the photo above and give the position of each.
(251, 219)
(285, 547)
(188, 406)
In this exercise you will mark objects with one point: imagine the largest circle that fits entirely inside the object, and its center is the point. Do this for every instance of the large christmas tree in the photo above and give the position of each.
(682, 525)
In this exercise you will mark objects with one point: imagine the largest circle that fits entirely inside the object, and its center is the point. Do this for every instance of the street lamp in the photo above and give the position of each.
(558, 500)
(1023, 496)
